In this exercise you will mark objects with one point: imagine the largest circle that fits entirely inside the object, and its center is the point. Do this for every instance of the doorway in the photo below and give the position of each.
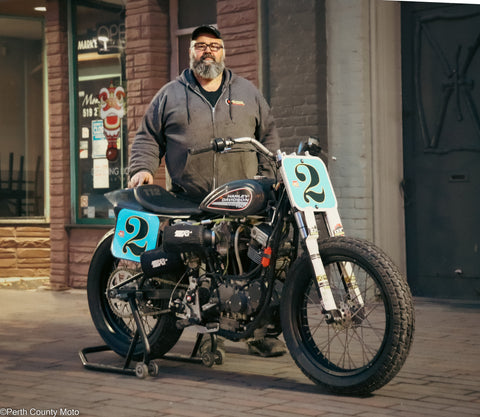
(441, 114)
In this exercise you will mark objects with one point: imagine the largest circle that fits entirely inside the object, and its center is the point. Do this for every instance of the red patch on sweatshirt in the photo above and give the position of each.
(236, 102)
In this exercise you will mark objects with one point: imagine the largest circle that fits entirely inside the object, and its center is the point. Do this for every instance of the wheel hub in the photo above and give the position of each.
(120, 307)
(352, 316)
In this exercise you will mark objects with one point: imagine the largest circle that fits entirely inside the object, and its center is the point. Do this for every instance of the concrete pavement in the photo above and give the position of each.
(40, 372)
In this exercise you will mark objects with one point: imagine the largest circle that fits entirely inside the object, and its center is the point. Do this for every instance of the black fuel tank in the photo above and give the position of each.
(242, 197)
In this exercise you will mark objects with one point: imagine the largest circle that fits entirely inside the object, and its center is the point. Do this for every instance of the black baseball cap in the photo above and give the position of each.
(212, 30)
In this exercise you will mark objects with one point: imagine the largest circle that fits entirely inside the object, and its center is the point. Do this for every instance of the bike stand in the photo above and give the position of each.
(210, 357)
(147, 367)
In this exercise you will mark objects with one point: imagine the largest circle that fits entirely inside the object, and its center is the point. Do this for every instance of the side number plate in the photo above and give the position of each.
(135, 233)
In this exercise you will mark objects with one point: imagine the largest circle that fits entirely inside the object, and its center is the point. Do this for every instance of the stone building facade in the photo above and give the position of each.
(24, 251)
(340, 70)
(295, 52)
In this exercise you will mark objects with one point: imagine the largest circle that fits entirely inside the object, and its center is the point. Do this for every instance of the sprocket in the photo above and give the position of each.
(120, 307)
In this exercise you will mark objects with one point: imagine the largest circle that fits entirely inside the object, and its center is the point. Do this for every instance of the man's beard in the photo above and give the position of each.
(207, 70)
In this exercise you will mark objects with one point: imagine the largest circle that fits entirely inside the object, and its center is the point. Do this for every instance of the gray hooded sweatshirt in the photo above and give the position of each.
(179, 118)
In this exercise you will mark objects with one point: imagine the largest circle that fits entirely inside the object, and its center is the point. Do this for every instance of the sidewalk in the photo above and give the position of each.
(41, 374)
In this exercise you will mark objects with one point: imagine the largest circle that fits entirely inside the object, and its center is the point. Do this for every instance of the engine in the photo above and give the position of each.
(239, 300)
(233, 293)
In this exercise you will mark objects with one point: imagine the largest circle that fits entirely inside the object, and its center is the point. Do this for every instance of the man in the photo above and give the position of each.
(206, 101)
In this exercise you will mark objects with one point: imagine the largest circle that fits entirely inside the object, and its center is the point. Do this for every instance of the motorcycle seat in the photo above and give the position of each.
(159, 201)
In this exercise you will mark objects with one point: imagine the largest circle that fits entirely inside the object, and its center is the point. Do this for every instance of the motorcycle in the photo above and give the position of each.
(251, 257)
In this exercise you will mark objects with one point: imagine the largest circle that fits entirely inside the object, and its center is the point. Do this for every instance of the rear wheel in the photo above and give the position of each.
(113, 318)
(365, 350)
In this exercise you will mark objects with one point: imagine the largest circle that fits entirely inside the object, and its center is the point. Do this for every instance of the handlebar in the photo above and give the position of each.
(221, 145)
(312, 145)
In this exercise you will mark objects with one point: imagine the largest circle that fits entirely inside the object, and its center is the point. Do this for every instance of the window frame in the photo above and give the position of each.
(44, 218)
(74, 81)
(175, 34)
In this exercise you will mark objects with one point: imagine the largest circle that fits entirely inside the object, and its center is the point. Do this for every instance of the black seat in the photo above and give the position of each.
(158, 200)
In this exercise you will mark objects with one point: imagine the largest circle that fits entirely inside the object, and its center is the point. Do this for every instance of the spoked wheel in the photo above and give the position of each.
(366, 348)
(113, 317)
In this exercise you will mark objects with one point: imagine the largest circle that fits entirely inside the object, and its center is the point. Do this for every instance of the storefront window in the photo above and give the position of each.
(22, 136)
(101, 137)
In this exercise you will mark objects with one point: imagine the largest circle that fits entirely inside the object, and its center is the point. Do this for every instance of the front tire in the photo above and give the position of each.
(113, 319)
(368, 347)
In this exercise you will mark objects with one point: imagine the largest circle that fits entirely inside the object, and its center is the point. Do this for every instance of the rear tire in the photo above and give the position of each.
(366, 350)
(111, 317)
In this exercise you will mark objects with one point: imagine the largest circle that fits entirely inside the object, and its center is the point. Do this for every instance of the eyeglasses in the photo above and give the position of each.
(202, 46)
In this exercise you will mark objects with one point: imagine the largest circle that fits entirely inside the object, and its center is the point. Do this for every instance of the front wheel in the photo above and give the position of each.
(366, 348)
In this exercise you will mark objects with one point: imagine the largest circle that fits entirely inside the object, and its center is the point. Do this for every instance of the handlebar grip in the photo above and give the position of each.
(217, 145)
(203, 149)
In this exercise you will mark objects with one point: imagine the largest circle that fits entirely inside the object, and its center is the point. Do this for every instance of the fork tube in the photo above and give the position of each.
(309, 233)
(335, 229)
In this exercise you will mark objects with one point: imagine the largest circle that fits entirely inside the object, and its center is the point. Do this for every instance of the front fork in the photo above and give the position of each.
(307, 226)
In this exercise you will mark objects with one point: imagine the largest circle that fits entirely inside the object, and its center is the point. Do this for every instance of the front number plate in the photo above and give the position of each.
(308, 183)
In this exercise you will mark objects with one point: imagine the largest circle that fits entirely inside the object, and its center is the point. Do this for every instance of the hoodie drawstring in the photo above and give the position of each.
(230, 100)
(188, 107)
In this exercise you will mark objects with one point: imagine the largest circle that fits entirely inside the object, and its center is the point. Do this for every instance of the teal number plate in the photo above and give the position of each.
(135, 233)
(308, 183)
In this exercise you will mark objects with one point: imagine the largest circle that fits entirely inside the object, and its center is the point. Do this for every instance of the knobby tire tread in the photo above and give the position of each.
(403, 320)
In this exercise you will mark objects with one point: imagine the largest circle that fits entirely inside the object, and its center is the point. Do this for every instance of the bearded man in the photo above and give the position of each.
(206, 101)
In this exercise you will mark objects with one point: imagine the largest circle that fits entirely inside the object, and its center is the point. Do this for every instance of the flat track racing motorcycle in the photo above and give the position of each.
(250, 257)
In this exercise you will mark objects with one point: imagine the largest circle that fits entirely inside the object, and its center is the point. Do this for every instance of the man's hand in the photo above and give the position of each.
(140, 178)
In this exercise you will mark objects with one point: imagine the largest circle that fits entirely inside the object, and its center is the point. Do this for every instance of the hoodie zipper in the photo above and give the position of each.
(214, 184)
(212, 108)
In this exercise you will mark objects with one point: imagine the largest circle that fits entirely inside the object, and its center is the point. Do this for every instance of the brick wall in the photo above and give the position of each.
(309, 98)
(238, 24)
(24, 251)
(296, 48)
(147, 59)
(59, 140)
(82, 243)
(349, 98)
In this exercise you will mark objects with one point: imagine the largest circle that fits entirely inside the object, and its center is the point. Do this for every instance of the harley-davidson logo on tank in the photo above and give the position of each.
(238, 199)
